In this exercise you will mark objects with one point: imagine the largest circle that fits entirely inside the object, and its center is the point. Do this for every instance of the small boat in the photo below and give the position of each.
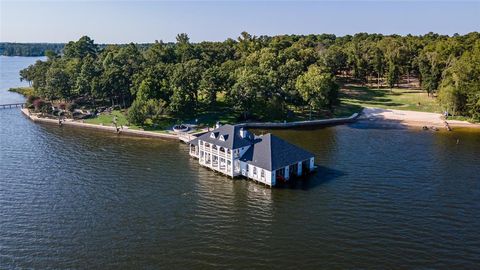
(181, 128)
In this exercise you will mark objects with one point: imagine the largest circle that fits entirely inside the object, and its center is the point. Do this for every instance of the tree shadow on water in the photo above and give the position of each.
(321, 176)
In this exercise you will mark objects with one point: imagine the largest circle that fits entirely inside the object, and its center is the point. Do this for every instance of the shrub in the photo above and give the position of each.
(31, 99)
(38, 104)
(46, 107)
(71, 106)
(136, 113)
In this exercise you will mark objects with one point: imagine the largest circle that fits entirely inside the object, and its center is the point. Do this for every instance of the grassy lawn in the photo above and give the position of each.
(398, 99)
(26, 91)
(107, 120)
(221, 113)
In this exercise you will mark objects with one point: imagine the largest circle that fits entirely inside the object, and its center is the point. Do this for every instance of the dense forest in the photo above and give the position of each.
(260, 77)
(29, 49)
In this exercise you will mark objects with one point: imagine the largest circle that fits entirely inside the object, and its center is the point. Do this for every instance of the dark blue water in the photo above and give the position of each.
(79, 199)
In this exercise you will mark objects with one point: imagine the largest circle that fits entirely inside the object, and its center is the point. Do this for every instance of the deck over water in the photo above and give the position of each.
(12, 105)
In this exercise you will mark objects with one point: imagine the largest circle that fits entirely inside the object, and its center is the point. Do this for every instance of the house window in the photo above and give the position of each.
(262, 174)
(254, 170)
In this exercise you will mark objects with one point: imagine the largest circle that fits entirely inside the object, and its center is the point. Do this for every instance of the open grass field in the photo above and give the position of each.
(107, 120)
(398, 99)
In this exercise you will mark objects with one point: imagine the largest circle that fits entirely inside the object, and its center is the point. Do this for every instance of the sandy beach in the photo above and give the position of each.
(412, 118)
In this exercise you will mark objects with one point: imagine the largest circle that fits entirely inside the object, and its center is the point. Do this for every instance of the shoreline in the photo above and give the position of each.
(387, 117)
(126, 131)
(188, 136)
(305, 123)
(412, 119)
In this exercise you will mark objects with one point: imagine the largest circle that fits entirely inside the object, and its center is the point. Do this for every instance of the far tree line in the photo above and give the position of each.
(29, 49)
(257, 76)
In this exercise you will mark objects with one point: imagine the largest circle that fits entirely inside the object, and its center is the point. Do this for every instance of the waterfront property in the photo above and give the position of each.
(234, 151)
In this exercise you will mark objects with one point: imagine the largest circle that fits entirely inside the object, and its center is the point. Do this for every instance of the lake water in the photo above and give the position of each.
(382, 198)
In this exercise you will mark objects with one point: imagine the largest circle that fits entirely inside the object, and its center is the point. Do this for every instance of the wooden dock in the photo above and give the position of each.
(12, 105)
(186, 137)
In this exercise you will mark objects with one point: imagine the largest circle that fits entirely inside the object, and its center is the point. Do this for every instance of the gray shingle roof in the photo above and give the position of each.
(230, 133)
(194, 141)
(272, 153)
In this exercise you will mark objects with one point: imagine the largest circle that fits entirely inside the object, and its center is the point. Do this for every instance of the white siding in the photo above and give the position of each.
(267, 177)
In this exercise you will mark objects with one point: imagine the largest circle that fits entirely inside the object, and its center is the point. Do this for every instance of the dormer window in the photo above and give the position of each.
(213, 135)
(223, 137)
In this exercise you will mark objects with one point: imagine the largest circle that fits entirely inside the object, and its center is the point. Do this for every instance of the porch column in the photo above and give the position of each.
(218, 154)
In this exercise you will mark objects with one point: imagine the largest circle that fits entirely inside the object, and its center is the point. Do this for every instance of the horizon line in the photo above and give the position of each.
(235, 38)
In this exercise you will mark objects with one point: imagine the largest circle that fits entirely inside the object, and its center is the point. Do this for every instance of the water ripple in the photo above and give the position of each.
(84, 199)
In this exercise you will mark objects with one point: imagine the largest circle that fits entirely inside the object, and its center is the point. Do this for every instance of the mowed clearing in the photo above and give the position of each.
(397, 98)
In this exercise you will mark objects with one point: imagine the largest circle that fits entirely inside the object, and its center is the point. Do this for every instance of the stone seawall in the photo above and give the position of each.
(181, 136)
(323, 122)
(124, 131)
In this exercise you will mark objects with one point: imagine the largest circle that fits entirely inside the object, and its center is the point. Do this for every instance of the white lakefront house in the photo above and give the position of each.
(234, 151)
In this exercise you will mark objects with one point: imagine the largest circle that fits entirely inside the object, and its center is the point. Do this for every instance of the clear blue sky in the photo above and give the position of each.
(146, 21)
